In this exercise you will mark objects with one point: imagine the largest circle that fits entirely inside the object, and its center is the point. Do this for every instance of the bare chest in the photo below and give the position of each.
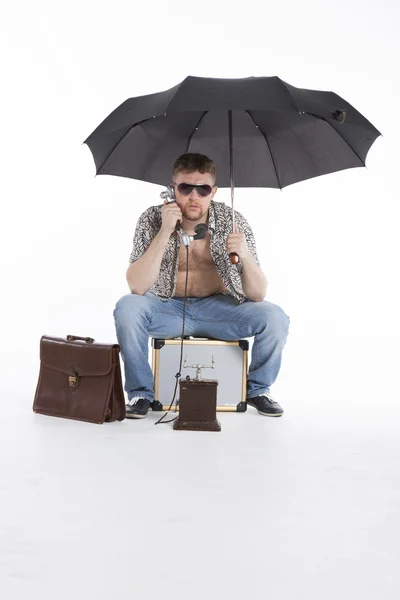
(203, 277)
(199, 256)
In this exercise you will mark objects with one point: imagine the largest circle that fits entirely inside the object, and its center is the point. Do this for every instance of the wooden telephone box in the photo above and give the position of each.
(198, 405)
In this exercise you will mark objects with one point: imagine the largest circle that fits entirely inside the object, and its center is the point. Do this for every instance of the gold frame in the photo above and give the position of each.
(175, 342)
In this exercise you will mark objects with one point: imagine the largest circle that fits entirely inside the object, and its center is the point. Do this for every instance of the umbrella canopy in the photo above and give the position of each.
(278, 134)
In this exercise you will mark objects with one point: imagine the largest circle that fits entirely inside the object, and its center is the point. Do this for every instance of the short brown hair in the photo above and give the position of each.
(192, 161)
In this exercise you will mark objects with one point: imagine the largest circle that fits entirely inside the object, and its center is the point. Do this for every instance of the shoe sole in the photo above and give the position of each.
(135, 416)
(263, 413)
(269, 414)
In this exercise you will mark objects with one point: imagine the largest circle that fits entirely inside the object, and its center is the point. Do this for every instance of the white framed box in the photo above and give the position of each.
(230, 370)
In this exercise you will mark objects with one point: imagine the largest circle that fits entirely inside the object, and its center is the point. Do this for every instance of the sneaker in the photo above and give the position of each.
(266, 405)
(137, 408)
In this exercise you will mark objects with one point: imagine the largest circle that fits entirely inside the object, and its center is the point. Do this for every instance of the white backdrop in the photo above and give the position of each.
(328, 246)
(97, 511)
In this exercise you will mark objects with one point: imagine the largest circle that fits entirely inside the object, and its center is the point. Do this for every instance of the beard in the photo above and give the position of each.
(194, 214)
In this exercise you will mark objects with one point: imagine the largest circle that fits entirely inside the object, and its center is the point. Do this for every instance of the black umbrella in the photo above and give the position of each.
(260, 132)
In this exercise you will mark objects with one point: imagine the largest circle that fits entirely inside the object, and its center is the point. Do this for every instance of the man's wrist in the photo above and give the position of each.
(246, 259)
(164, 234)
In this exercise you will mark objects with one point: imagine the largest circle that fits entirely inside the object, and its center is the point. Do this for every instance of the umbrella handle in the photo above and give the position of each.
(234, 258)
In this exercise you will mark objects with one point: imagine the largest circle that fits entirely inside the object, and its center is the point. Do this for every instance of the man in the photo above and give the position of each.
(225, 301)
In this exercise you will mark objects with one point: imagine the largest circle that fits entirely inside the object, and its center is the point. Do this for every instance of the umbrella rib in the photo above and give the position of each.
(284, 85)
(140, 123)
(119, 141)
(107, 157)
(195, 129)
(269, 147)
(336, 131)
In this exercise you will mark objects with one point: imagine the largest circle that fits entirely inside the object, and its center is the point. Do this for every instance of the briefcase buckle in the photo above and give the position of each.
(73, 381)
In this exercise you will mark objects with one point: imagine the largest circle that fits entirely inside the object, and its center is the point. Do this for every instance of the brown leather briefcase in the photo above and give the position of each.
(79, 379)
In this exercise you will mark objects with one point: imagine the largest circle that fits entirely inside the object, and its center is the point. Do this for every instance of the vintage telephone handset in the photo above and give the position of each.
(200, 230)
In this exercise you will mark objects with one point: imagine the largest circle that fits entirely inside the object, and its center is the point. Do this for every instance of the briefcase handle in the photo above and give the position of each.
(71, 338)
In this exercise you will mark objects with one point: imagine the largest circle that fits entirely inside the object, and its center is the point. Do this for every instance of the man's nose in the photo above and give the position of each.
(194, 195)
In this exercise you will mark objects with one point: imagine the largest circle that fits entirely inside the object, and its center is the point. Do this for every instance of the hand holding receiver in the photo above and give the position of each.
(171, 216)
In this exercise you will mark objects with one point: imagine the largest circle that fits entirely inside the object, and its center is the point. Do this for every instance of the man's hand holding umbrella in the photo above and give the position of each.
(254, 281)
(236, 242)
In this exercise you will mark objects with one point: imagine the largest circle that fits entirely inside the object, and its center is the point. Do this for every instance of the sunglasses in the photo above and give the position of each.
(187, 188)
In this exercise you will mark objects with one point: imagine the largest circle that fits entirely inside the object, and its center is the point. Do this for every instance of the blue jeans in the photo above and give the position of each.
(220, 317)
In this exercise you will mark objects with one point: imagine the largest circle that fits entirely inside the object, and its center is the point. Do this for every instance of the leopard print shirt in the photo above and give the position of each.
(219, 225)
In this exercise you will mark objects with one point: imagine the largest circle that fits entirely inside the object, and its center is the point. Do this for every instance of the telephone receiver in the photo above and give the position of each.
(200, 229)
(168, 194)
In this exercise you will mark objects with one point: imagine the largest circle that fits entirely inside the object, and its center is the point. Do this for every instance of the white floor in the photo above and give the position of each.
(304, 506)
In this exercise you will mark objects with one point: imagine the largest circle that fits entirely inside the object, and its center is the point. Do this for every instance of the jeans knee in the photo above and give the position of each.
(276, 320)
(282, 320)
(127, 306)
